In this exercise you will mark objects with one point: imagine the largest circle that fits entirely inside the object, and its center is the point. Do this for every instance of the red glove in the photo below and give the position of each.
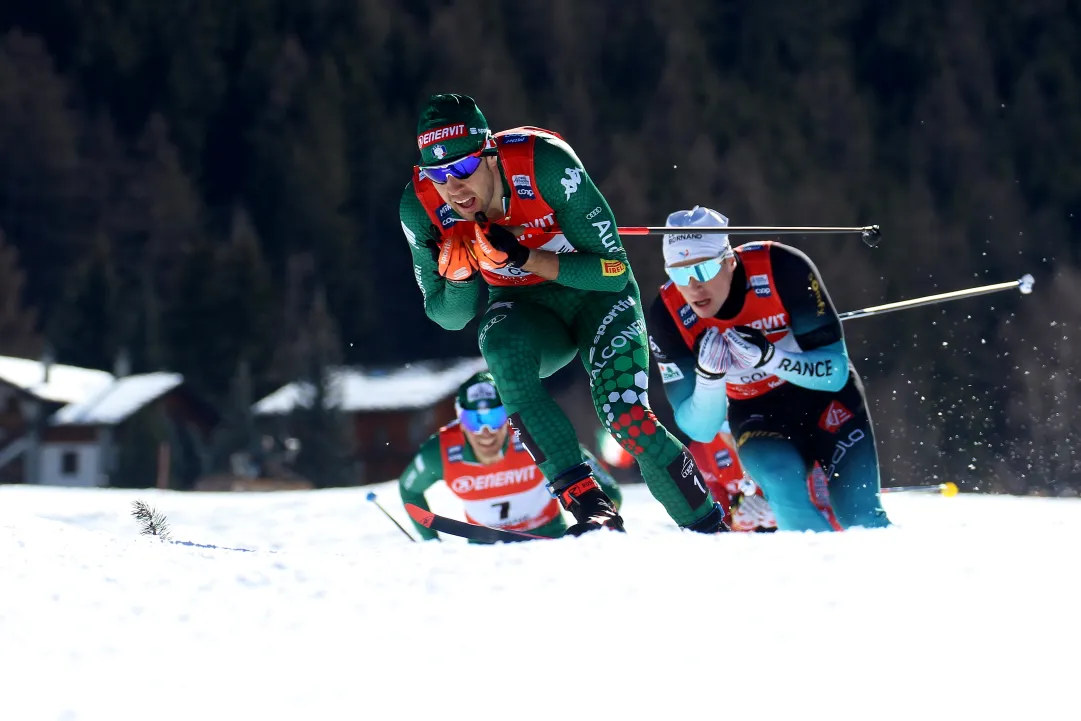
(456, 260)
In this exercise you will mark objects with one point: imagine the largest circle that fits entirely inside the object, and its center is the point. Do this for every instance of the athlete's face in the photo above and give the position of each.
(707, 296)
(476, 193)
(488, 444)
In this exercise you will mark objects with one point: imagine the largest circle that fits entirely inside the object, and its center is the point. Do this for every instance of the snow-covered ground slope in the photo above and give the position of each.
(969, 608)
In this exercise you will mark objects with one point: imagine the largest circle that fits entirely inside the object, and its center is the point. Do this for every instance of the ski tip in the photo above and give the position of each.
(371, 495)
(419, 515)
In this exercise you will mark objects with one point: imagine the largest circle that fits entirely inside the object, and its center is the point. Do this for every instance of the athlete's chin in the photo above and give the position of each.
(705, 308)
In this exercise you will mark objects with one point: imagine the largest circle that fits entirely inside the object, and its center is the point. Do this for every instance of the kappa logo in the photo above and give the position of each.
(835, 416)
(439, 152)
(571, 182)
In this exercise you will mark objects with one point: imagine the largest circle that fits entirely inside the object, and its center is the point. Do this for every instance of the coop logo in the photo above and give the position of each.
(515, 138)
(446, 215)
(523, 186)
(763, 292)
(687, 316)
(500, 479)
(723, 459)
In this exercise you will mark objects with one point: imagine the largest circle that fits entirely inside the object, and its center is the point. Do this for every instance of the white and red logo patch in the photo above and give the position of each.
(836, 415)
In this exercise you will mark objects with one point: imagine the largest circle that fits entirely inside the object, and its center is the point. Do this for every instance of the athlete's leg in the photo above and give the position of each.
(846, 449)
(774, 463)
(522, 343)
(611, 334)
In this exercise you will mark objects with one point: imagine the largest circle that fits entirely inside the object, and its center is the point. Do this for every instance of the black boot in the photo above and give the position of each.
(712, 522)
(580, 494)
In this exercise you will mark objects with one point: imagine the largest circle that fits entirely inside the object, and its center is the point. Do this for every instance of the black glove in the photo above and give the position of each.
(504, 240)
(591, 507)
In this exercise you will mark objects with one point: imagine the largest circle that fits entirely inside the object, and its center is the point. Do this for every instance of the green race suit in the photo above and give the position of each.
(429, 467)
(592, 310)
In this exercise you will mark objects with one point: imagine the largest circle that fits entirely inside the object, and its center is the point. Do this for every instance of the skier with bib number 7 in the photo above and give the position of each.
(488, 469)
(517, 212)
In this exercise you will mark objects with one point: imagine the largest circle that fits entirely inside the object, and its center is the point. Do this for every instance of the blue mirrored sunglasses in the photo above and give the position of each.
(475, 421)
(461, 169)
(703, 271)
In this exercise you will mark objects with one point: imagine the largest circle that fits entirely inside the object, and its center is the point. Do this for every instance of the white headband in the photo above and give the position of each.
(679, 247)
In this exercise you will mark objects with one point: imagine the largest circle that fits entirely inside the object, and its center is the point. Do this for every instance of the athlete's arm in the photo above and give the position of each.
(583, 216)
(699, 405)
(449, 303)
(425, 470)
(821, 363)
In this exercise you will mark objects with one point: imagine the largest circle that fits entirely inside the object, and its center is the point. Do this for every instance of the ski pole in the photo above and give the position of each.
(372, 498)
(948, 489)
(1024, 284)
(871, 234)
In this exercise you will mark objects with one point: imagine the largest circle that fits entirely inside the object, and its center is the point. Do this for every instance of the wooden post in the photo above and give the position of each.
(163, 464)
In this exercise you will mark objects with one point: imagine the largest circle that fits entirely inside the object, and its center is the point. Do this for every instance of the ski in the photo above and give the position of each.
(471, 531)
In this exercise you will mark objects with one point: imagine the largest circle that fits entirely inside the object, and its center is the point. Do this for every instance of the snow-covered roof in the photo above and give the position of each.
(67, 384)
(416, 385)
(118, 401)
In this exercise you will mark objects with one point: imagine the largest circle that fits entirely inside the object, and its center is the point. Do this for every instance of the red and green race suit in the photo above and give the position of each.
(533, 327)
(510, 493)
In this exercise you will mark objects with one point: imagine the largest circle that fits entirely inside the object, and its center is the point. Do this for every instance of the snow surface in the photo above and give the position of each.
(968, 608)
(416, 385)
(118, 401)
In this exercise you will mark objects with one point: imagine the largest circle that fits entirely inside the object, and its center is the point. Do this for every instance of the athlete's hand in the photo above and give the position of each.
(714, 355)
(750, 347)
(499, 245)
(456, 261)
